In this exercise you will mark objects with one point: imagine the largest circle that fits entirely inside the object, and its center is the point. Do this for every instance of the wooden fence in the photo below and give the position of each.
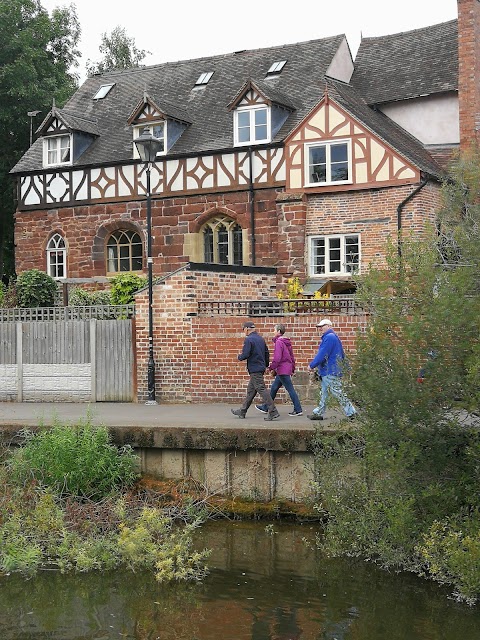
(67, 361)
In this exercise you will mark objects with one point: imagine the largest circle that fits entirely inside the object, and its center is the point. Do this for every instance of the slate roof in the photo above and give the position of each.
(211, 129)
(408, 65)
(387, 68)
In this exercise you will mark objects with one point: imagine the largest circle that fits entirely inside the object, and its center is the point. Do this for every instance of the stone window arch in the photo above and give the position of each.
(124, 251)
(222, 241)
(57, 257)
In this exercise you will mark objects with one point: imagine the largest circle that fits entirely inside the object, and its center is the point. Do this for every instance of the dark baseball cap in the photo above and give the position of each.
(248, 325)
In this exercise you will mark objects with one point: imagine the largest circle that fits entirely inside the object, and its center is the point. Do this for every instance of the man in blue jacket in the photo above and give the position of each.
(255, 352)
(330, 360)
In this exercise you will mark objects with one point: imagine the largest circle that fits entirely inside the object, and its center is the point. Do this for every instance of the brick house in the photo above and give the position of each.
(294, 157)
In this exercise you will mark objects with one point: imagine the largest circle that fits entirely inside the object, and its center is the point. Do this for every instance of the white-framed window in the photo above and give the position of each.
(222, 241)
(328, 162)
(124, 252)
(157, 129)
(57, 257)
(334, 255)
(252, 125)
(57, 150)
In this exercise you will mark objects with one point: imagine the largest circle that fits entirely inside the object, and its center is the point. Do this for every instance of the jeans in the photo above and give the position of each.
(256, 385)
(333, 384)
(285, 381)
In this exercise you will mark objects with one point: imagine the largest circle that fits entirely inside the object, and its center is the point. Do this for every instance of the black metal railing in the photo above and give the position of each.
(293, 306)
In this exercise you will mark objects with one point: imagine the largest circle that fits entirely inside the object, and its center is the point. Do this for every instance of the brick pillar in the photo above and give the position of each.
(292, 217)
(469, 72)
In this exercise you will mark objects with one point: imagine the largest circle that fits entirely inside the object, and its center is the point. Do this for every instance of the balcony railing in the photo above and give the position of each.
(294, 306)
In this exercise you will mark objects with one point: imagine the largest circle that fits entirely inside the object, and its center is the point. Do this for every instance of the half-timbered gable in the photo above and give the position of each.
(331, 151)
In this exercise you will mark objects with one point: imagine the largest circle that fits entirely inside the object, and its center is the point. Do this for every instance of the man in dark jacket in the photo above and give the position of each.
(255, 352)
(330, 361)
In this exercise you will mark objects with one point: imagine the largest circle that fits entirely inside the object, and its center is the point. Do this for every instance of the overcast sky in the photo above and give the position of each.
(186, 29)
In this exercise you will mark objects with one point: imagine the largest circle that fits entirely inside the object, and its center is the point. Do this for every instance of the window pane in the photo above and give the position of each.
(339, 172)
(334, 255)
(137, 250)
(338, 153)
(243, 135)
(318, 255)
(339, 162)
(112, 259)
(137, 264)
(352, 254)
(317, 155)
(261, 132)
(243, 118)
(317, 164)
(208, 244)
(237, 245)
(260, 116)
(222, 235)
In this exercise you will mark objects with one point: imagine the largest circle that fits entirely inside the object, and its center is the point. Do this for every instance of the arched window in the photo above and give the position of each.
(124, 252)
(57, 257)
(222, 241)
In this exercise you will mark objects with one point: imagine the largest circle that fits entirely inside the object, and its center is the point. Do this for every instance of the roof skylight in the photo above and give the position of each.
(204, 78)
(103, 91)
(277, 66)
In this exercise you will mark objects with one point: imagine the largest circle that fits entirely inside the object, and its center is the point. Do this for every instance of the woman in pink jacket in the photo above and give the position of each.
(283, 364)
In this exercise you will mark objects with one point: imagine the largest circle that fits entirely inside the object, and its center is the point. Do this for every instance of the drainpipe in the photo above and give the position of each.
(400, 209)
(252, 204)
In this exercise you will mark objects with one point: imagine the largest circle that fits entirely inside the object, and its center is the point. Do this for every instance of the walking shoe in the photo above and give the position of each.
(295, 413)
(315, 416)
(353, 416)
(239, 413)
(259, 407)
(272, 416)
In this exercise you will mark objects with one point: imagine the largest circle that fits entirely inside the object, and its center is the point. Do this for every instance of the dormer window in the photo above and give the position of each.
(157, 129)
(57, 150)
(252, 125)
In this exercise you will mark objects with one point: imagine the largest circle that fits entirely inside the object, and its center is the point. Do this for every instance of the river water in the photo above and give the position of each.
(266, 583)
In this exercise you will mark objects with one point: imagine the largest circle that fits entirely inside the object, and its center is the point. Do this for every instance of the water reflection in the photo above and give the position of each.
(262, 586)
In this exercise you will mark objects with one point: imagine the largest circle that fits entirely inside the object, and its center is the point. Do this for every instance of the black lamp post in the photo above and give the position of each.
(148, 146)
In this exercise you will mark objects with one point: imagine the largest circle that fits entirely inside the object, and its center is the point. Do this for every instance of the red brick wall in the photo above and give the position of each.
(196, 357)
(282, 221)
(171, 219)
(373, 214)
(469, 71)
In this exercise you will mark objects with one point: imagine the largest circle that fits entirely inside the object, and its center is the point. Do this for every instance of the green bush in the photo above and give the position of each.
(451, 551)
(124, 286)
(35, 289)
(79, 297)
(420, 460)
(75, 460)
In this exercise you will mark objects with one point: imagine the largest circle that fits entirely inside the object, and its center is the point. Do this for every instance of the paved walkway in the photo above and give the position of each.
(117, 414)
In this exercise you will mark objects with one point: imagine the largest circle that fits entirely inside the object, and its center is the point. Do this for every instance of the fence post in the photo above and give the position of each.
(19, 362)
(93, 359)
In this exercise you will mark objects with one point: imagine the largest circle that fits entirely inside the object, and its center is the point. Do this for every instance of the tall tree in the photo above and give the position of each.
(119, 52)
(37, 56)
